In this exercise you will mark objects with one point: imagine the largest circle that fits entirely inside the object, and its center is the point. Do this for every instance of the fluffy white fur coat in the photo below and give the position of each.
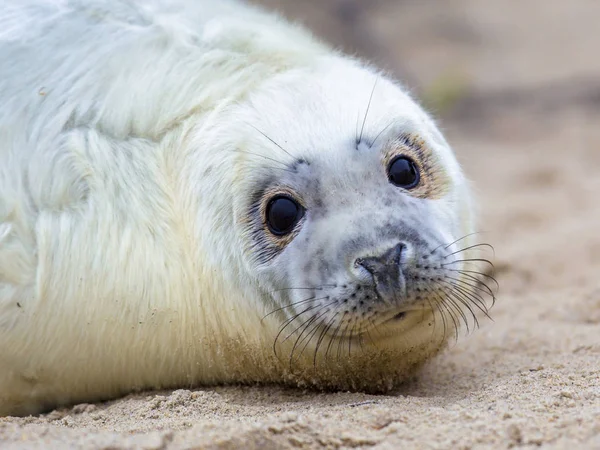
(111, 111)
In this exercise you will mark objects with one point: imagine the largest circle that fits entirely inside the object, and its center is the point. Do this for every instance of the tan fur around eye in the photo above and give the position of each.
(435, 181)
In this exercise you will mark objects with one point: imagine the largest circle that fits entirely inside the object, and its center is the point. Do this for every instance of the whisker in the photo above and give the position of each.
(434, 320)
(361, 342)
(299, 340)
(369, 333)
(467, 274)
(475, 291)
(454, 242)
(471, 247)
(268, 158)
(335, 334)
(458, 309)
(381, 132)
(279, 168)
(362, 129)
(295, 330)
(307, 322)
(273, 141)
(441, 303)
(443, 316)
(340, 340)
(287, 323)
(477, 286)
(466, 303)
(483, 274)
(321, 337)
(375, 327)
(304, 328)
(287, 306)
(310, 337)
(452, 316)
(356, 128)
(350, 338)
(461, 311)
(470, 296)
(469, 260)
(303, 325)
(476, 300)
(451, 294)
(316, 288)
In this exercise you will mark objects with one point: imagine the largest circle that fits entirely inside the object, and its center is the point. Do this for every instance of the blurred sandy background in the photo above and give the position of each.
(516, 87)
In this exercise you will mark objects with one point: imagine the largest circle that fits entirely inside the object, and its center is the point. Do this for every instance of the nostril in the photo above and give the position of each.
(397, 253)
(362, 263)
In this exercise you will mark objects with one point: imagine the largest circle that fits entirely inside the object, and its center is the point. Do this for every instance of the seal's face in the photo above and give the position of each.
(356, 233)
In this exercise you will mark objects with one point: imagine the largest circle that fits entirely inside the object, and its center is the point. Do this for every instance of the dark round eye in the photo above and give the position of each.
(403, 173)
(283, 213)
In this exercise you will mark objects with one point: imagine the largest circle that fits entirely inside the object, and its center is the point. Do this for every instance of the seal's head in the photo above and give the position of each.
(352, 221)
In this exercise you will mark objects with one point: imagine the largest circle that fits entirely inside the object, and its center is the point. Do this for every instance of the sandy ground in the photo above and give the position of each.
(517, 89)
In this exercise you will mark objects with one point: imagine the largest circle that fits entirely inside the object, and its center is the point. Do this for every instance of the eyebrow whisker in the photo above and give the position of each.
(273, 142)
(381, 132)
(362, 129)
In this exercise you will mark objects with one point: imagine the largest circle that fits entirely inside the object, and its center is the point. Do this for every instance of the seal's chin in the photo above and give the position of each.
(394, 324)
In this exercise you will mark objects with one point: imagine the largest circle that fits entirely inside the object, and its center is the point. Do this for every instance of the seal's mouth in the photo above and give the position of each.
(399, 316)
(396, 318)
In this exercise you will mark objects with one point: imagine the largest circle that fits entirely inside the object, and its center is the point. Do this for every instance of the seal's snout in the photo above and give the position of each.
(386, 272)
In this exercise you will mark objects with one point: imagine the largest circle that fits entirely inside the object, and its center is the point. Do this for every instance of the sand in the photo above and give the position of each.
(517, 91)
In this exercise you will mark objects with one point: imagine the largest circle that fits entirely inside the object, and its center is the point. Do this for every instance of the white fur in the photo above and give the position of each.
(111, 112)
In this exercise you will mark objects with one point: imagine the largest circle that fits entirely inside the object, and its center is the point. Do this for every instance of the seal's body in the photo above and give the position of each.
(196, 192)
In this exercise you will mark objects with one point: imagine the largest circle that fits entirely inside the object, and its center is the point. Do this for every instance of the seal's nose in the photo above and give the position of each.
(386, 271)
(389, 261)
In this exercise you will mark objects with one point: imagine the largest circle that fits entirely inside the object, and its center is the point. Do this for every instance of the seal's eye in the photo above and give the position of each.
(403, 172)
(283, 213)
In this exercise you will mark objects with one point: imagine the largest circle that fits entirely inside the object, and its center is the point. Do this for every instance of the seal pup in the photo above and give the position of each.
(198, 192)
